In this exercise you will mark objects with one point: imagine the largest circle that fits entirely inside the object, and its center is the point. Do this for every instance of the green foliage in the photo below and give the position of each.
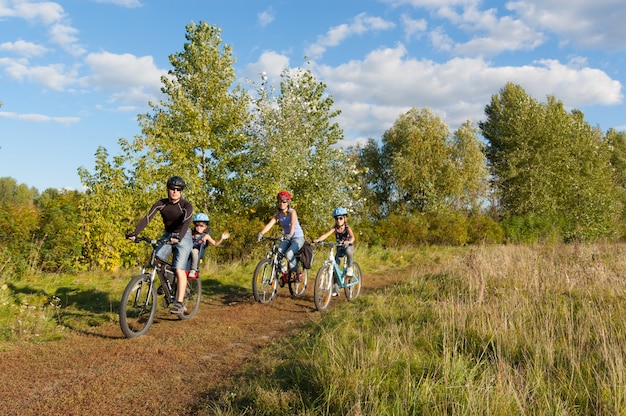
(550, 164)
(198, 131)
(111, 207)
(447, 228)
(13, 193)
(17, 227)
(60, 232)
(293, 147)
(483, 229)
(508, 330)
(399, 230)
(420, 167)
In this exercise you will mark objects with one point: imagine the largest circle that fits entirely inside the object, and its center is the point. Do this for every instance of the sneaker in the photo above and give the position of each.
(350, 272)
(178, 309)
(299, 277)
(335, 290)
(192, 274)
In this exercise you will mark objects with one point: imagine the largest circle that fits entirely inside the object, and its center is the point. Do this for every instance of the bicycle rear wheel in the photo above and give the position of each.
(138, 306)
(264, 284)
(296, 288)
(323, 287)
(193, 293)
(353, 289)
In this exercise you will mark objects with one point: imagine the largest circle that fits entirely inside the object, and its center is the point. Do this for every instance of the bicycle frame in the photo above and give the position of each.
(330, 274)
(268, 275)
(139, 301)
(339, 272)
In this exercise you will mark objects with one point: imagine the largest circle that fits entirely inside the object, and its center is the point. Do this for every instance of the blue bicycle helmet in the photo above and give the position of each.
(201, 217)
(340, 211)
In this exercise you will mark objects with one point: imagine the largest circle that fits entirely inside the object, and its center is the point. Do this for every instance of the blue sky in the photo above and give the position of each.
(75, 74)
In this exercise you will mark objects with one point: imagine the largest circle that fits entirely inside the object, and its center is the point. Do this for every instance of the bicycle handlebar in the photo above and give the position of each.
(151, 241)
(271, 239)
(329, 243)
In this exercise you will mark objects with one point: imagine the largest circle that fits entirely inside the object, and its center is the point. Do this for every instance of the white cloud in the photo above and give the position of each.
(39, 118)
(374, 91)
(24, 48)
(45, 12)
(413, 27)
(266, 17)
(491, 34)
(130, 4)
(131, 79)
(271, 63)
(361, 24)
(65, 36)
(591, 24)
(54, 76)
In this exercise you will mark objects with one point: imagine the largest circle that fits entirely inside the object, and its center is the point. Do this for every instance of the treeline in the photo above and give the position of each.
(530, 171)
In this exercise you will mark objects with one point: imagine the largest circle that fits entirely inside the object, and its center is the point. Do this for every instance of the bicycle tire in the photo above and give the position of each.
(297, 289)
(138, 306)
(323, 291)
(193, 295)
(264, 284)
(353, 290)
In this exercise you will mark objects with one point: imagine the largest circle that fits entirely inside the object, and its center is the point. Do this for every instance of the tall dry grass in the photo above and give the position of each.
(494, 330)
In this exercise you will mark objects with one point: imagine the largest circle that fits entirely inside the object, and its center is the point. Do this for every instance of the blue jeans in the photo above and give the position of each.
(289, 248)
(182, 250)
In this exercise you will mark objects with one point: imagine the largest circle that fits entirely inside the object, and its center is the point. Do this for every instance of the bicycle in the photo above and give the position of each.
(139, 301)
(331, 274)
(268, 275)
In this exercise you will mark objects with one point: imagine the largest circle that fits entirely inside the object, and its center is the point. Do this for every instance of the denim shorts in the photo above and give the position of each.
(182, 250)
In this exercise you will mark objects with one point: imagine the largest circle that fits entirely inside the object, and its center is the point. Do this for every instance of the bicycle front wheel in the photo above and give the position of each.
(353, 288)
(297, 288)
(264, 285)
(138, 307)
(323, 287)
(193, 293)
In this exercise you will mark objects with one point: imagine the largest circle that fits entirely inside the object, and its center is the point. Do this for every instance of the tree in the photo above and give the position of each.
(197, 131)
(295, 148)
(13, 193)
(470, 187)
(377, 181)
(550, 164)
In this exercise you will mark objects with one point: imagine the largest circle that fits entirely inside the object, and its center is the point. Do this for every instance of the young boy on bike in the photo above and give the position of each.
(176, 215)
(201, 237)
(344, 236)
(293, 236)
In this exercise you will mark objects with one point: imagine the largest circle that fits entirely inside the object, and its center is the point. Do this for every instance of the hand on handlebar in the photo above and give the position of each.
(259, 237)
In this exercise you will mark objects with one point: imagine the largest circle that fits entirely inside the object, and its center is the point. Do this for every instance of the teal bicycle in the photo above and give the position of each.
(331, 274)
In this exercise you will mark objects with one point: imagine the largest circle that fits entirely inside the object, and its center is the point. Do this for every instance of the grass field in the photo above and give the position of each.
(504, 330)
(494, 330)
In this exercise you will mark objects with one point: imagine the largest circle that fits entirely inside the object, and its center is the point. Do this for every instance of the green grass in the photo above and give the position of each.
(491, 331)
(495, 330)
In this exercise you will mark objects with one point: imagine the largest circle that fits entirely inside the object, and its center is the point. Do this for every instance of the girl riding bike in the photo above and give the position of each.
(293, 236)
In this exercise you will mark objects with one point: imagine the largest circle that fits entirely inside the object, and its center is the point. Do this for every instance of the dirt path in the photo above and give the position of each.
(102, 373)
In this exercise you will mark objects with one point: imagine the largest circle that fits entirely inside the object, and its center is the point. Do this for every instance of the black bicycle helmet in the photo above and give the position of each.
(176, 181)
